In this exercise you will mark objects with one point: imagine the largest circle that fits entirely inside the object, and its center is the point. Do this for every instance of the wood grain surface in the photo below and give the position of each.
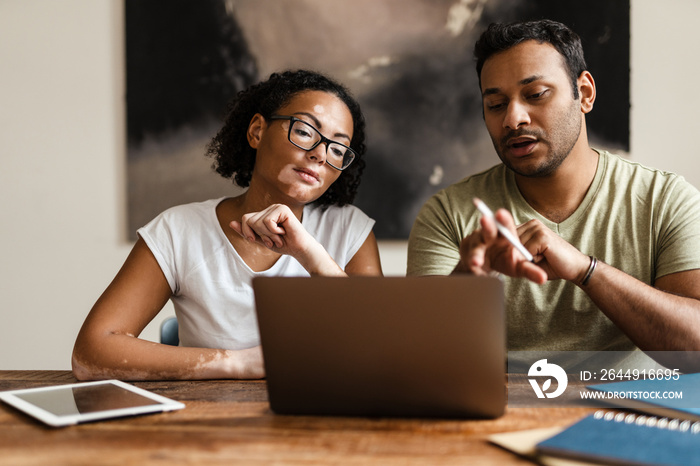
(229, 422)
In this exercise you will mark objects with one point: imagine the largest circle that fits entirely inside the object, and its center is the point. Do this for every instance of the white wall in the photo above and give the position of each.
(665, 92)
(62, 156)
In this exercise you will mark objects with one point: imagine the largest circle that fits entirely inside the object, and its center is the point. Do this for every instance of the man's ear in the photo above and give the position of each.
(256, 128)
(586, 90)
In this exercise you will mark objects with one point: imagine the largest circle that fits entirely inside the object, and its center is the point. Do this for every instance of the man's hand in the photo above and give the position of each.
(485, 251)
(557, 258)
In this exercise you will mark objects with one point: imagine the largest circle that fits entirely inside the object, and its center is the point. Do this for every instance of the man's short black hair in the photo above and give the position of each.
(499, 37)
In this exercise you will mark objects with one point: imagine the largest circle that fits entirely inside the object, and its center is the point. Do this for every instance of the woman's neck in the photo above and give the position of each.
(256, 200)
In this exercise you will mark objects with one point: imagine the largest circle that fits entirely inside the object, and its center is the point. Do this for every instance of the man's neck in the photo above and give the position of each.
(557, 196)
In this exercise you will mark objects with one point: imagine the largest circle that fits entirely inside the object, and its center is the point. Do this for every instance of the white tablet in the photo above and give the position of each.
(64, 405)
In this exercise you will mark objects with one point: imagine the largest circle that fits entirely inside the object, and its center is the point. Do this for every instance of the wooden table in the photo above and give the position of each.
(229, 422)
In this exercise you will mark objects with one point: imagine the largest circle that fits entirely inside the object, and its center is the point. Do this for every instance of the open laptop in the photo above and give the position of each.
(383, 346)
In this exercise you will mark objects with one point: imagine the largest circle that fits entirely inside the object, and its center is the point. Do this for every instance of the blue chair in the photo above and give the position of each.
(169, 334)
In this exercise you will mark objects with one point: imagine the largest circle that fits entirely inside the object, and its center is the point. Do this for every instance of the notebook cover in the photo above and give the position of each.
(621, 438)
(523, 444)
(643, 395)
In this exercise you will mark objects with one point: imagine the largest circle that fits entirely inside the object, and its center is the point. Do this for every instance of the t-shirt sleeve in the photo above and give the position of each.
(433, 244)
(358, 227)
(678, 247)
(341, 230)
(158, 236)
(362, 226)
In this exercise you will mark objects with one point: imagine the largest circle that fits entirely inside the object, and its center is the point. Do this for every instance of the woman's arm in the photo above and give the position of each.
(108, 346)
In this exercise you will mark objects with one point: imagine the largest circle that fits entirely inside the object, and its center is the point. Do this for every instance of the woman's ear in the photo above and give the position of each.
(586, 89)
(256, 128)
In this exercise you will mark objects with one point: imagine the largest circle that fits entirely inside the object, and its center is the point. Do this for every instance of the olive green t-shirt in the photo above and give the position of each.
(642, 221)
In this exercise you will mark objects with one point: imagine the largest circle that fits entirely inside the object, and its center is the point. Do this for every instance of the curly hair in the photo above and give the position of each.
(235, 159)
(500, 37)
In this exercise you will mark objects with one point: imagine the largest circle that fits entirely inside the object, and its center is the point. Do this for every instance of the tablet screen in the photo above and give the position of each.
(90, 401)
(80, 399)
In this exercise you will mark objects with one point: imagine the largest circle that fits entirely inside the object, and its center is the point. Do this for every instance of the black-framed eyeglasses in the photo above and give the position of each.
(306, 137)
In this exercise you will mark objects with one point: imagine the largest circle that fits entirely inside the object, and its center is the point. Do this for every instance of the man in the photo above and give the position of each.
(616, 245)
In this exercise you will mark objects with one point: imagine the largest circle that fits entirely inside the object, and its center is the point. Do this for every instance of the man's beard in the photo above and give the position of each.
(568, 135)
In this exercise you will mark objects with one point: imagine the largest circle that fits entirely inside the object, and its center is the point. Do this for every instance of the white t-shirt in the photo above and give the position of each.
(211, 284)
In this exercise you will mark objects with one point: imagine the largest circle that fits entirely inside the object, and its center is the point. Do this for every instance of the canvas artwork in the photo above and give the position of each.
(408, 62)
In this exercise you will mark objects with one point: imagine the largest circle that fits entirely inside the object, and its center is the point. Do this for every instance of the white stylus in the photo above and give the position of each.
(483, 208)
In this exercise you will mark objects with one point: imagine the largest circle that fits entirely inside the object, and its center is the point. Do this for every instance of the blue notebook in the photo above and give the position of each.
(675, 396)
(627, 438)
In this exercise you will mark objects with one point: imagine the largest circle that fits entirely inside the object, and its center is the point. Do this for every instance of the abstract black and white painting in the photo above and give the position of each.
(408, 62)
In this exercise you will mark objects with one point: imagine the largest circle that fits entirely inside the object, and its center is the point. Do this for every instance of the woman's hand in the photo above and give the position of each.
(278, 229)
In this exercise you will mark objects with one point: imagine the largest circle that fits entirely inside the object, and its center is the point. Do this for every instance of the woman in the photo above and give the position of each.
(296, 141)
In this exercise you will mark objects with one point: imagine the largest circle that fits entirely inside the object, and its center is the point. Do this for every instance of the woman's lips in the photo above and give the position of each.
(308, 175)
